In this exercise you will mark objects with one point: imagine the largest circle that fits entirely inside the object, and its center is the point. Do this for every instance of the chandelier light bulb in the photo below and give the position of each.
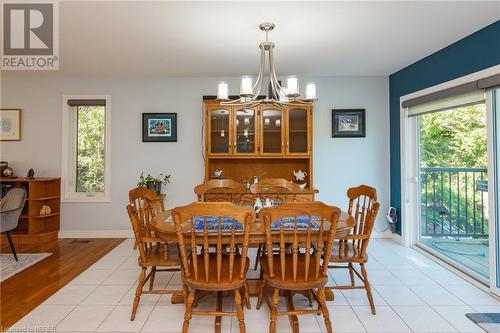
(311, 91)
(222, 91)
(292, 84)
(246, 85)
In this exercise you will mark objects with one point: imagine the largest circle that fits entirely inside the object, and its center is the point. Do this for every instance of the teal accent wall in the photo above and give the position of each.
(473, 53)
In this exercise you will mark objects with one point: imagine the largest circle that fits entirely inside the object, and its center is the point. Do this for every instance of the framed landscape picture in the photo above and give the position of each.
(159, 127)
(348, 123)
(10, 124)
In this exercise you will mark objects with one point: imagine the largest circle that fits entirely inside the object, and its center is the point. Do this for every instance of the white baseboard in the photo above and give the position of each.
(397, 238)
(381, 234)
(96, 234)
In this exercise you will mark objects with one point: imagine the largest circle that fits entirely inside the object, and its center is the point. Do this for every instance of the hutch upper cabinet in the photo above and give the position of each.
(265, 130)
(267, 141)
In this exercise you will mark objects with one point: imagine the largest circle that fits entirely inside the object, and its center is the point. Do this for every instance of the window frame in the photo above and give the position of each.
(68, 154)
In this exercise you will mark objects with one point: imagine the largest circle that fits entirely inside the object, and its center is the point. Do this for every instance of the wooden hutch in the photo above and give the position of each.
(267, 141)
(33, 227)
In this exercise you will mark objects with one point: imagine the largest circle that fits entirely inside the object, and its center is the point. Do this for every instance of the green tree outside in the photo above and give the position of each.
(452, 201)
(91, 122)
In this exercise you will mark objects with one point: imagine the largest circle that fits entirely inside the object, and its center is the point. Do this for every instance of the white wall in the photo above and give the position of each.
(338, 163)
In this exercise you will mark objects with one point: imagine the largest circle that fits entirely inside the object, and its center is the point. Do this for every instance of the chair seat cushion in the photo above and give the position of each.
(213, 284)
(300, 283)
(161, 254)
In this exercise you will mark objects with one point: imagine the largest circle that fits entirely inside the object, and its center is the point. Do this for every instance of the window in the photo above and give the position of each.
(86, 148)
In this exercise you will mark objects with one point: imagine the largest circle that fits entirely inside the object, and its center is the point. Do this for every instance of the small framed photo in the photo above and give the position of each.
(348, 123)
(10, 122)
(159, 127)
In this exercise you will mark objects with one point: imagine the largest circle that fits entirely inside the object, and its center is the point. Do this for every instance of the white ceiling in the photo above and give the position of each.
(221, 38)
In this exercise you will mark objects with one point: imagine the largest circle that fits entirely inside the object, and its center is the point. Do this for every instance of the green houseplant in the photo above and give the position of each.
(154, 183)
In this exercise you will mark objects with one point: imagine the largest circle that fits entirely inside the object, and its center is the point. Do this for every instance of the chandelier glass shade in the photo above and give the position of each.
(250, 91)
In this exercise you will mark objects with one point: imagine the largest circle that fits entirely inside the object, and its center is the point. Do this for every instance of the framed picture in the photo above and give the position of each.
(10, 121)
(159, 127)
(348, 123)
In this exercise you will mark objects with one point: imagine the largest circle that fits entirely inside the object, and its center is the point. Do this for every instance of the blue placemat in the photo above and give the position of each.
(213, 224)
(227, 223)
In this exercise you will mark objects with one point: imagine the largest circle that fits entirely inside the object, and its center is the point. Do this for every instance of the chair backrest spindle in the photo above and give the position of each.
(276, 189)
(147, 204)
(215, 230)
(314, 220)
(362, 200)
(221, 190)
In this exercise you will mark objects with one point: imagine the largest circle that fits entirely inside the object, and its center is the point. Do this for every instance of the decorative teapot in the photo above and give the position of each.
(218, 173)
(300, 175)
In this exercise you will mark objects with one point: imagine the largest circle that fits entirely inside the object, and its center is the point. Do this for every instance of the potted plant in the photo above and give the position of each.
(154, 183)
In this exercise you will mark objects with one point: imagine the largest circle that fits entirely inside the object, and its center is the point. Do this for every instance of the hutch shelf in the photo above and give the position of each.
(34, 228)
(267, 141)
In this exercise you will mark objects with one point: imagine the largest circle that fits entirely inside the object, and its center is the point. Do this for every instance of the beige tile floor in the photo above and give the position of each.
(412, 294)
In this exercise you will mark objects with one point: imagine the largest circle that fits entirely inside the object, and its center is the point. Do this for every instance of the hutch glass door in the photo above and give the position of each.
(245, 134)
(297, 140)
(219, 131)
(272, 134)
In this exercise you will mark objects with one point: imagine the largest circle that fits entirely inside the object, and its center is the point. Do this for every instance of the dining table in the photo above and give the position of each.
(164, 228)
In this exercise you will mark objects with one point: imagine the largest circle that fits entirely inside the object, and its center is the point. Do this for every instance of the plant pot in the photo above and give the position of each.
(154, 186)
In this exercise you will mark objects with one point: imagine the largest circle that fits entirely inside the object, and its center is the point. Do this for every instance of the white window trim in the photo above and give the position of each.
(492, 122)
(409, 178)
(67, 153)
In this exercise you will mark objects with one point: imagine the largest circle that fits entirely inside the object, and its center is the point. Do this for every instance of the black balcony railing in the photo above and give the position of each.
(454, 202)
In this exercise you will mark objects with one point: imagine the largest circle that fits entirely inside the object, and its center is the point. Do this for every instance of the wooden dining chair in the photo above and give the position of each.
(153, 253)
(147, 204)
(209, 236)
(304, 233)
(363, 207)
(221, 190)
(279, 191)
(276, 189)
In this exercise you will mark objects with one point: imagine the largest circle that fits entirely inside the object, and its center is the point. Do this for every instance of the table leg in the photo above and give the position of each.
(294, 321)
(218, 319)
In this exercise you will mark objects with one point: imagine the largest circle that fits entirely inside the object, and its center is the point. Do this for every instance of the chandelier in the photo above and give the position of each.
(249, 91)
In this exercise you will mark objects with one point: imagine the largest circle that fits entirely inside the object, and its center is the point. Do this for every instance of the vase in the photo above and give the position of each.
(154, 186)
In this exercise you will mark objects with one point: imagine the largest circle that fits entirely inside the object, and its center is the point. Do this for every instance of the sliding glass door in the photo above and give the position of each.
(450, 148)
(453, 184)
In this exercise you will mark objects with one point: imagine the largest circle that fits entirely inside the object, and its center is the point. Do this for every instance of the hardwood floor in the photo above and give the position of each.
(26, 290)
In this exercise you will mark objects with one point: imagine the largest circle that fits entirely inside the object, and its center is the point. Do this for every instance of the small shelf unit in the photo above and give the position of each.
(34, 228)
